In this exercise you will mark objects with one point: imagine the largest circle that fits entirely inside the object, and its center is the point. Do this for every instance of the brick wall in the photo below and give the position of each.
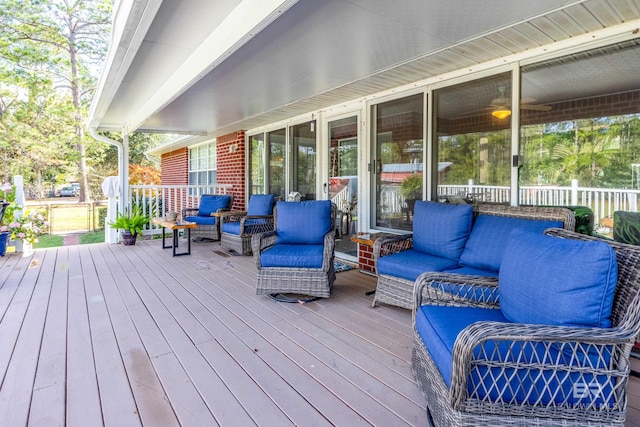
(365, 258)
(175, 167)
(230, 150)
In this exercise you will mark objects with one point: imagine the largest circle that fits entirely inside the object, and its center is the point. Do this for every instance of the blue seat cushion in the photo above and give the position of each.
(234, 227)
(260, 204)
(553, 281)
(210, 203)
(490, 235)
(410, 264)
(441, 229)
(204, 220)
(303, 222)
(293, 256)
(439, 326)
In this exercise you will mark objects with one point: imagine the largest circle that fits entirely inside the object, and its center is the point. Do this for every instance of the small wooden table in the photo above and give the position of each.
(175, 226)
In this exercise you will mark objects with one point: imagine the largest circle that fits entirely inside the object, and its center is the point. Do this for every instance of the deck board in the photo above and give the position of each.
(83, 397)
(49, 385)
(112, 335)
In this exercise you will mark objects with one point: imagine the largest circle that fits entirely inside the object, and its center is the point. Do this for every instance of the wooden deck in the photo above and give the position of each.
(112, 335)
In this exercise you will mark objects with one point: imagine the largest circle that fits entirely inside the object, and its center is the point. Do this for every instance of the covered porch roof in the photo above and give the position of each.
(201, 68)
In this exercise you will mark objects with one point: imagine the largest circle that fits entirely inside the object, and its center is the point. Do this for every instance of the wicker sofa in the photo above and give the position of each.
(297, 257)
(554, 348)
(457, 238)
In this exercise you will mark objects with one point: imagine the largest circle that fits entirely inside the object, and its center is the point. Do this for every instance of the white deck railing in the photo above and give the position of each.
(602, 201)
(156, 200)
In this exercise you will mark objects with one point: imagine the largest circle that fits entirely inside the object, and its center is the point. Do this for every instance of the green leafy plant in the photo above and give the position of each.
(133, 221)
(411, 186)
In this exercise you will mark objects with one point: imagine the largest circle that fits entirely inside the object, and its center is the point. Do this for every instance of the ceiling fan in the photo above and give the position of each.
(501, 106)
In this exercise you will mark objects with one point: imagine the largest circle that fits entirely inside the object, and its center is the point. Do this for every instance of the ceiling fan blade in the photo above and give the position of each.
(535, 107)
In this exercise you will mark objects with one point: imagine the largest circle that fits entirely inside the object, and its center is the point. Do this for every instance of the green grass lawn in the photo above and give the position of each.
(48, 241)
(54, 240)
(91, 237)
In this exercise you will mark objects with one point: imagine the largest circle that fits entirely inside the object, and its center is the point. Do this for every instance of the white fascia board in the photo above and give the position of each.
(131, 21)
(179, 142)
(240, 26)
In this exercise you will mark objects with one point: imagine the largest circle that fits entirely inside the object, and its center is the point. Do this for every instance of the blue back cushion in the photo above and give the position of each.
(260, 204)
(441, 229)
(490, 235)
(210, 203)
(553, 281)
(303, 222)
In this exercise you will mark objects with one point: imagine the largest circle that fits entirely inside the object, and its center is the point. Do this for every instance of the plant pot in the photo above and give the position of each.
(4, 241)
(129, 239)
(27, 248)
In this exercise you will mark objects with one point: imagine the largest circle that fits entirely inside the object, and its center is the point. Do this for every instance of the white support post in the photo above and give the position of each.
(574, 192)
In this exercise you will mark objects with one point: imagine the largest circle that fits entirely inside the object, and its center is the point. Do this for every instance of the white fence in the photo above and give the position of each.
(156, 200)
(603, 201)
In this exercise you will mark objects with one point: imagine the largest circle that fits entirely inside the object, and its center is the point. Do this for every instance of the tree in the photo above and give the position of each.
(49, 48)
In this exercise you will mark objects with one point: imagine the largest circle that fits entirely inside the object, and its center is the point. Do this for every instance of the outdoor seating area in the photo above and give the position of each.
(126, 335)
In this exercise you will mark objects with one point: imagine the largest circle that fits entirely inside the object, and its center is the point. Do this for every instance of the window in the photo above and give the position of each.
(257, 166)
(473, 139)
(202, 164)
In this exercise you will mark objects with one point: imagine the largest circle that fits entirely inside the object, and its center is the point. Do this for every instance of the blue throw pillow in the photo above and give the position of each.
(260, 204)
(553, 281)
(210, 203)
(441, 229)
(303, 222)
(490, 235)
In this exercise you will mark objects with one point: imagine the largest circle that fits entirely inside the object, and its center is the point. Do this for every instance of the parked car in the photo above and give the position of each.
(69, 192)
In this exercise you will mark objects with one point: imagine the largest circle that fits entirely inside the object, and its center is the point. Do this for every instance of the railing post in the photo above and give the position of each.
(470, 190)
(574, 192)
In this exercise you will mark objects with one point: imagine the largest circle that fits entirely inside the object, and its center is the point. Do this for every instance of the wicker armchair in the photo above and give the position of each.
(297, 257)
(208, 226)
(237, 228)
(498, 372)
(397, 289)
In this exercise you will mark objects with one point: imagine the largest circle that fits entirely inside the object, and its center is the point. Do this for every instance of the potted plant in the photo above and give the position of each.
(131, 224)
(411, 189)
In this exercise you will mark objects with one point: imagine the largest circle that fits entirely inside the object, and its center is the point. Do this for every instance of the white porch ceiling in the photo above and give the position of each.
(295, 57)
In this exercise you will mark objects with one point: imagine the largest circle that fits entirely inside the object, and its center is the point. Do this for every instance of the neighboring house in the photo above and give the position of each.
(282, 96)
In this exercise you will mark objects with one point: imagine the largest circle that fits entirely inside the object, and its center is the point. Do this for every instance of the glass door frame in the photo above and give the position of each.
(288, 161)
(369, 165)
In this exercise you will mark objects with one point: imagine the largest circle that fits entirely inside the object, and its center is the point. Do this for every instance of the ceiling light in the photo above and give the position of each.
(501, 112)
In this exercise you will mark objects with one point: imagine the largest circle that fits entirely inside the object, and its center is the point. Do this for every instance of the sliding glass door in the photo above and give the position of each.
(343, 180)
(397, 161)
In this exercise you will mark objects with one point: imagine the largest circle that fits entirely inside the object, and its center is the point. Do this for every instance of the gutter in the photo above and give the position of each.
(153, 159)
(123, 163)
